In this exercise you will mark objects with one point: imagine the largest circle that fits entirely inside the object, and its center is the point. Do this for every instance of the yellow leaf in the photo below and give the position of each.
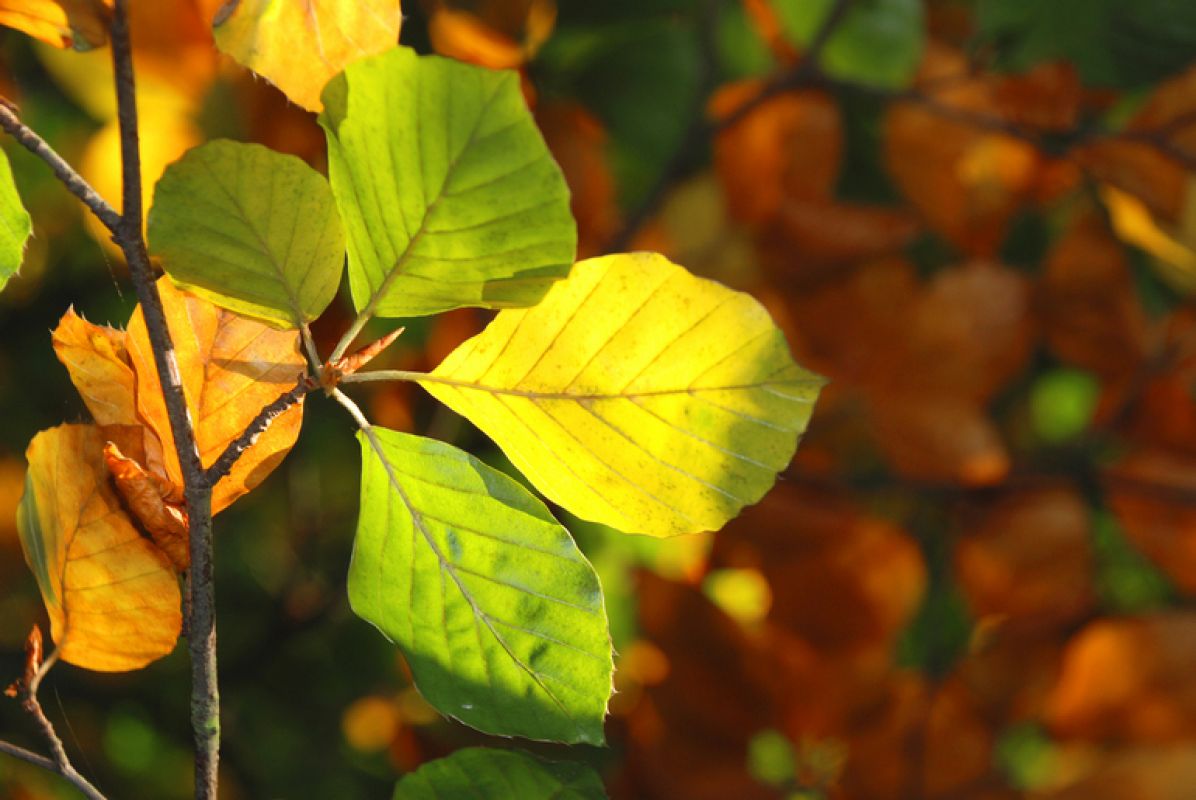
(96, 358)
(1174, 251)
(231, 367)
(98, 361)
(299, 46)
(112, 596)
(81, 24)
(636, 395)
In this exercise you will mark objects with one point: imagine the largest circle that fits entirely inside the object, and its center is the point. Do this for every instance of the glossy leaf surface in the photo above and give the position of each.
(250, 229)
(498, 613)
(637, 395)
(448, 193)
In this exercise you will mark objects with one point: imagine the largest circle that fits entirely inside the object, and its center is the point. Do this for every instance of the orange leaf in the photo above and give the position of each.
(461, 35)
(111, 594)
(788, 146)
(1028, 558)
(1128, 680)
(145, 495)
(231, 367)
(82, 24)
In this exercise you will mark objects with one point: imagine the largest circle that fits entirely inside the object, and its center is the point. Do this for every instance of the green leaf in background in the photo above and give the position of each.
(642, 79)
(251, 230)
(479, 773)
(15, 224)
(877, 41)
(637, 395)
(499, 614)
(1111, 42)
(448, 192)
(1062, 403)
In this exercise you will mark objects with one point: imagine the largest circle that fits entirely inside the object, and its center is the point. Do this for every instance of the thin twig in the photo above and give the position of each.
(26, 689)
(70, 178)
(224, 464)
(201, 624)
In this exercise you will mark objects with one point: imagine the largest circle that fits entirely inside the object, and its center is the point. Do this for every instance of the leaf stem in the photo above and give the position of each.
(201, 623)
(385, 375)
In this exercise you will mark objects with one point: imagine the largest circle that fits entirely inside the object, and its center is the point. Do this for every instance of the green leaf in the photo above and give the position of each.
(877, 41)
(15, 224)
(1110, 42)
(499, 614)
(251, 230)
(479, 773)
(449, 194)
(636, 395)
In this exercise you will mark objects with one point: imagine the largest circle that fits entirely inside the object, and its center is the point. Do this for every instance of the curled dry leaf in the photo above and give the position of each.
(111, 594)
(145, 495)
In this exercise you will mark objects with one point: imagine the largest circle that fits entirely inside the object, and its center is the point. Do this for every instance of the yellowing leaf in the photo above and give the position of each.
(299, 46)
(99, 366)
(1174, 251)
(82, 24)
(112, 596)
(636, 395)
(231, 367)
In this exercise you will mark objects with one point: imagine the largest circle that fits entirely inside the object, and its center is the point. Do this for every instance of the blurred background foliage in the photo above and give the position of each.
(976, 579)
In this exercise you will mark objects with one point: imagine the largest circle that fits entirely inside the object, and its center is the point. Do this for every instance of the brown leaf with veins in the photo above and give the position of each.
(231, 368)
(112, 596)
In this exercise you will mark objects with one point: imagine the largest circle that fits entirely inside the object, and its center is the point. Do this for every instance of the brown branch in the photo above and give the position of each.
(26, 690)
(224, 464)
(70, 178)
(201, 623)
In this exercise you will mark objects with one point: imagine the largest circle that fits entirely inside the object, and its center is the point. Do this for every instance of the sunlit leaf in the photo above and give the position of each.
(112, 596)
(231, 367)
(250, 229)
(499, 614)
(480, 773)
(299, 46)
(15, 224)
(1174, 250)
(82, 24)
(99, 365)
(637, 395)
(448, 193)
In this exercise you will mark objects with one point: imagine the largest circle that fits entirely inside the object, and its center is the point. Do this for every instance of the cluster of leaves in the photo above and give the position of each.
(625, 389)
(977, 219)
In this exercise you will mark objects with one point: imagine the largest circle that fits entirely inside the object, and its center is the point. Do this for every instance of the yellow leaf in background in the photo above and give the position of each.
(111, 594)
(82, 24)
(231, 367)
(299, 46)
(1174, 251)
(636, 395)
